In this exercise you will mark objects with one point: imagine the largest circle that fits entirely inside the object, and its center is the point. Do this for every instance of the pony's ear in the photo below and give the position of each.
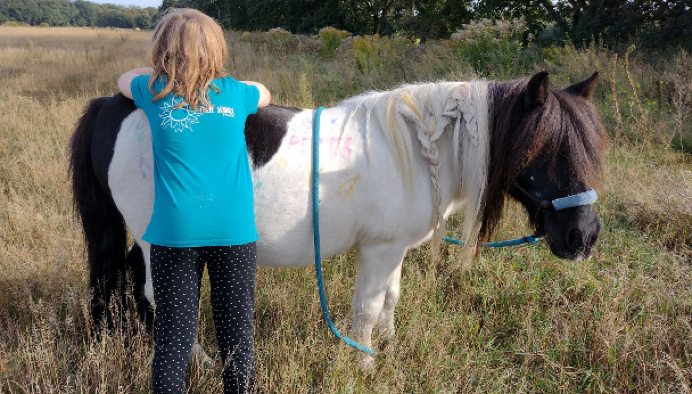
(537, 89)
(584, 88)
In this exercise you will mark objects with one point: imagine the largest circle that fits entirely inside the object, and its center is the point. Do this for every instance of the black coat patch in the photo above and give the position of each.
(265, 130)
(108, 122)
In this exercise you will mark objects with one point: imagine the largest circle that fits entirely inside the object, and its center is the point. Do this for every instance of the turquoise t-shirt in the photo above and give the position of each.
(203, 183)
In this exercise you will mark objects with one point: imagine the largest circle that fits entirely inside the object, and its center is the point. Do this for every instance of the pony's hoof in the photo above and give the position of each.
(367, 363)
(389, 333)
(201, 356)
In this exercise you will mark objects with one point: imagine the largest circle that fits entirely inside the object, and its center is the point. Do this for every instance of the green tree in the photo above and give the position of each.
(110, 15)
(309, 16)
(651, 23)
(534, 12)
(235, 15)
(435, 19)
(141, 20)
(57, 12)
(86, 13)
(671, 26)
(26, 11)
(617, 23)
(373, 16)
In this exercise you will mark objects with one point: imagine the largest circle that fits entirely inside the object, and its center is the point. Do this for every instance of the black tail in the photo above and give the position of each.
(104, 229)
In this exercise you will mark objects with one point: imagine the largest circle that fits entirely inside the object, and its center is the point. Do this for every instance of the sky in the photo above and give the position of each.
(138, 3)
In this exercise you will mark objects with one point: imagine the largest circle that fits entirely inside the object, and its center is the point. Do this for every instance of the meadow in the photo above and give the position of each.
(516, 321)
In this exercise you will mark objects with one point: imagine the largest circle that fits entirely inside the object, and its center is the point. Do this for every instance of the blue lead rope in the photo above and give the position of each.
(529, 239)
(577, 200)
(316, 233)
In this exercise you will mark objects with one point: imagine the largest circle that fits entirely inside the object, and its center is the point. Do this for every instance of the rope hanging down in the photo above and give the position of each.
(316, 233)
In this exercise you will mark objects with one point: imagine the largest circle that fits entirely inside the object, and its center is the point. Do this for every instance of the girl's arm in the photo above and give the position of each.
(126, 79)
(265, 96)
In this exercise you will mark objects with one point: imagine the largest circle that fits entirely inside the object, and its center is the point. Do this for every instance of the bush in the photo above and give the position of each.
(681, 78)
(494, 49)
(331, 40)
(377, 52)
(280, 34)
(279, 38)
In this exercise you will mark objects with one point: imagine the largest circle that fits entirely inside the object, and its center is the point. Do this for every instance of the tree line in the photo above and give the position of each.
(76, 13)
(653, 24)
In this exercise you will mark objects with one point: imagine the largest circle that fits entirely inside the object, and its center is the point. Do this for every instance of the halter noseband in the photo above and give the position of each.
(573, 201)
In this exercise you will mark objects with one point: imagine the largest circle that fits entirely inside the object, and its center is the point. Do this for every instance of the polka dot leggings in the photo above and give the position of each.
(177, 275)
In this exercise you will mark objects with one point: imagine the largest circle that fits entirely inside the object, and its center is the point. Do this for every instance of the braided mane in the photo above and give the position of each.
(426, 111)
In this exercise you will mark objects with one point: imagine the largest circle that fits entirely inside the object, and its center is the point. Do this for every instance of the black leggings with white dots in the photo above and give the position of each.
(176, 275)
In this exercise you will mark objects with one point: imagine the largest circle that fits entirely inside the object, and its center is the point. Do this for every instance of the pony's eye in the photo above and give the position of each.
(531, 177)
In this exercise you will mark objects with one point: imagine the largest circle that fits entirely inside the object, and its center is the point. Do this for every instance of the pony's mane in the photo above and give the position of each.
(427, 110)
(566, 126)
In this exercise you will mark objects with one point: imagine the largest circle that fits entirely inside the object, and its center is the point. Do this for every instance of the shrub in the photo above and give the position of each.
(280, 35)
(486, 29)
(378, 52)
(279, 38)
(277, 42)
(681, 78)
(331, 40)
(493, 48)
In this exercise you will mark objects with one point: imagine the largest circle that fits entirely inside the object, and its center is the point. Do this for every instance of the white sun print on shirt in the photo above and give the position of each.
(178, 119)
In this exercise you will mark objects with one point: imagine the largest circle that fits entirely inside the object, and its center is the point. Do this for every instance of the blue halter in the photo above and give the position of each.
(577, 200)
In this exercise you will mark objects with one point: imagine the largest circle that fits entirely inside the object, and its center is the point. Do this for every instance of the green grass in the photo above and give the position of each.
(517, 321)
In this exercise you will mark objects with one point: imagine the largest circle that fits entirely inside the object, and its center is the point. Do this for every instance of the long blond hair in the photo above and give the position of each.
(188, 49)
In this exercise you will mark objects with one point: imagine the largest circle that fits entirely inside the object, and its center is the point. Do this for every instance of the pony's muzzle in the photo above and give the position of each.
(581, 239)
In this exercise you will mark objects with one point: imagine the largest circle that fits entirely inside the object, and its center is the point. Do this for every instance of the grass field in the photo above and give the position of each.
(517, 321)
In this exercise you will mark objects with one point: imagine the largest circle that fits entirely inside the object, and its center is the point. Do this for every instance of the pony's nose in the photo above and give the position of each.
(575, 239)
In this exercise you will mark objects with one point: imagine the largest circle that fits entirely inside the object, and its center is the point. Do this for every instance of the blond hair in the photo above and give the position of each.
(188, 49)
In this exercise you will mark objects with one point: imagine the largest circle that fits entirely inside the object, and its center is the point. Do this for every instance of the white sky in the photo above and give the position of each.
(138, 3)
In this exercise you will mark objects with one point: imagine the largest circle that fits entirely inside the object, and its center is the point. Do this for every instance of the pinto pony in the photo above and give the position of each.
(394, 166)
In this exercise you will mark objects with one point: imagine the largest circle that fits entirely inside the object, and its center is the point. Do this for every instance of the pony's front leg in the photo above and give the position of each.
(377, 289)
(385, 322)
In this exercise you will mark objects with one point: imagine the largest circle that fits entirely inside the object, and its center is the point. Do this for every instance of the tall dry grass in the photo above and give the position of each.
(518, 321)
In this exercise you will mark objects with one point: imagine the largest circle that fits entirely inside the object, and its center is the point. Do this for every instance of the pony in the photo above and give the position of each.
(394, 165)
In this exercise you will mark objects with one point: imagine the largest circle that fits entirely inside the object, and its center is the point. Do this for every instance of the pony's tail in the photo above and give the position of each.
(104, 229)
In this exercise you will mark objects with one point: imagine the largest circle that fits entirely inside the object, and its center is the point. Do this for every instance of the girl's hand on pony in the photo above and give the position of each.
(126, 79)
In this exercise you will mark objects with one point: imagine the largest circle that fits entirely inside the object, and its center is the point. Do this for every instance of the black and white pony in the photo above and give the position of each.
(394, 166)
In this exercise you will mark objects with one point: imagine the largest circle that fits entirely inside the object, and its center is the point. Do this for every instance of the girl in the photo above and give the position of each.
(203, 205)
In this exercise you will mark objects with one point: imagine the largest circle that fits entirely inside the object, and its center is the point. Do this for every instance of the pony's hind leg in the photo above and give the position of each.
(377, 289)
(148, 287)
(136, 264)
